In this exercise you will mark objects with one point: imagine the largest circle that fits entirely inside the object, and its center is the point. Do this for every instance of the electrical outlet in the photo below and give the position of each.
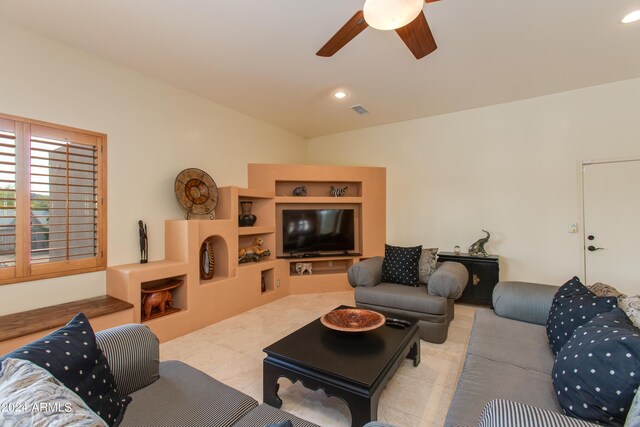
(277, 283)
(330, 264)
(573, 227)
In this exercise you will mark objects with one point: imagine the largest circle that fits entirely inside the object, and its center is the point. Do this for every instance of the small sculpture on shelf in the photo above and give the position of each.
(144, 242)
(300, 191)
(477, 248)
(301, 267)
(337, 191)
(159, 298)
(246, 218)
(254, 253)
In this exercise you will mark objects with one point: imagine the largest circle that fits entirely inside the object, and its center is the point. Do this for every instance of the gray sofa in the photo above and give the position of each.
(173, 393)
(430, 304)
(509, 358)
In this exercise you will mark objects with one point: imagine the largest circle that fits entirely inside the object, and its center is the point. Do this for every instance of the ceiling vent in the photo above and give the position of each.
(359, 109)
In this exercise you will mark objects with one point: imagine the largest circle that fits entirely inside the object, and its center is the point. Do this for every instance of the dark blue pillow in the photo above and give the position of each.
(597, 372)
(400, 265)
(71, 354)
(573, 305)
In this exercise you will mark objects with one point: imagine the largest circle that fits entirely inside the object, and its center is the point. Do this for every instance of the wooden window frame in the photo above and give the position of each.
(24, 270)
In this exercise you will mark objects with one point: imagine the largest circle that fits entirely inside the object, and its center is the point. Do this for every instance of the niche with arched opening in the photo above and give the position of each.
(213, 259)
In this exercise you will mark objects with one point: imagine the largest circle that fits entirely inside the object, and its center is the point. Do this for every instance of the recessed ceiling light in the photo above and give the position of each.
(631, 17)
(340, 94)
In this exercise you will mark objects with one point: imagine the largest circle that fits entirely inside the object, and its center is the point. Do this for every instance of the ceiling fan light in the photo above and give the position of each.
(631, 17)
(391, 14)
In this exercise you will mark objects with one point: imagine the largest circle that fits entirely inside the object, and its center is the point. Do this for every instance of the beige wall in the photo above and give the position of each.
(511, 169)
(154, 132)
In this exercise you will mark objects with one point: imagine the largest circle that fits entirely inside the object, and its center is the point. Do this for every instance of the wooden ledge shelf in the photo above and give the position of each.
(152, 265)
(322, 258)
(256, 193)
(167, 312)
(263, 264)
(41, 319)
(250, 231)
(327, 199)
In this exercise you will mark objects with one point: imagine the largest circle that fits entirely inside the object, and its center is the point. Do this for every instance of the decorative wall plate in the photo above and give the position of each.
(353, 320)
(197, 192)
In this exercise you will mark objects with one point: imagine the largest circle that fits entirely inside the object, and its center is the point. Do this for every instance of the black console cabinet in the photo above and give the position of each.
(484, 274)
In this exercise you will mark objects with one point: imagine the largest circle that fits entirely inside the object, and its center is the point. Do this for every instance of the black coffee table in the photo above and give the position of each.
(352, 366)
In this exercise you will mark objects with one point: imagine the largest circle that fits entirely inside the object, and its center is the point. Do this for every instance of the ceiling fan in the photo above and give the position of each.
(404, 16)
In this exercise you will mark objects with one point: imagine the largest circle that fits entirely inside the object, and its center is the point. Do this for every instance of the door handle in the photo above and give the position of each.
(592, 248)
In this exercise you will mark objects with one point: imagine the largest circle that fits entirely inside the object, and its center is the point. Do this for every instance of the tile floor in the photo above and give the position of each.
(231, 352)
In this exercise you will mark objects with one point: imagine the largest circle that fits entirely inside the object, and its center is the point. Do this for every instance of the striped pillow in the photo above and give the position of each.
(133, 354)
(506, 413)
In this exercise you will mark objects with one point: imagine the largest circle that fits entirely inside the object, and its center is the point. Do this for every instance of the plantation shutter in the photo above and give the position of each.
(52, 200)
(7, 198)
(64, 199)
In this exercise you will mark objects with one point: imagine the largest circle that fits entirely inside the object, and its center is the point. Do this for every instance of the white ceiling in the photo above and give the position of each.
(258, 56)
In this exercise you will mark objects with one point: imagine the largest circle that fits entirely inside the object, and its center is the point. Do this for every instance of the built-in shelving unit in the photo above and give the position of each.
(322, 265)
(365, 194)
(126, 281)
(252, 231)
(267, 282)
(234, 287)
(317, 186)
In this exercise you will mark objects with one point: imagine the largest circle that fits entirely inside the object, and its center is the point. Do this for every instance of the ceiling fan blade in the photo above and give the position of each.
(430, 1)
(352, 28)
(417, 36)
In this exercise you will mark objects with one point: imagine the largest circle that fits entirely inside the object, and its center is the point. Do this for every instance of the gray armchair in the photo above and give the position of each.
(430, 304)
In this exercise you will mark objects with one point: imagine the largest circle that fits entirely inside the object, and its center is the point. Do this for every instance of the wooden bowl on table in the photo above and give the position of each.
(353, 320)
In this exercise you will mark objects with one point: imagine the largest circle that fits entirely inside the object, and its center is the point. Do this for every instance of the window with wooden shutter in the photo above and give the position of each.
(7, 197)
(52, 187)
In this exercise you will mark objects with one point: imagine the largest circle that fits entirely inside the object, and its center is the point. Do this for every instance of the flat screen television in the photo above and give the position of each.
(317, 231)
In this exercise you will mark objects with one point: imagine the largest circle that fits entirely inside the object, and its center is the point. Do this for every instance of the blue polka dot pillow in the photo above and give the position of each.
(597, 373)
(400, 265)
(72, 356)
(573, 305)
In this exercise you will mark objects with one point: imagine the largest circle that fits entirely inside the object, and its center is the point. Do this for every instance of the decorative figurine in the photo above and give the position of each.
(456, 250)
(300, 191)
(337, 192)
(144, 242)
(160, 300)
(254, 253)
(477, 248)
(301, 267)
(158, 297)
(246, 219)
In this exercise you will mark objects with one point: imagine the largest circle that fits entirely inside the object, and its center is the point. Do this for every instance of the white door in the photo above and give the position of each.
(611, 194)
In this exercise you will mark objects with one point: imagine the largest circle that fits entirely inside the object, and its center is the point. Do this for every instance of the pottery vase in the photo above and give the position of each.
(246, 218)
(207, 260)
